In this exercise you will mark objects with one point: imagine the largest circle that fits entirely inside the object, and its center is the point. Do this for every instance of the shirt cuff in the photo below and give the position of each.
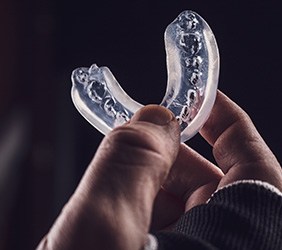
(152, 243)
(264, 184)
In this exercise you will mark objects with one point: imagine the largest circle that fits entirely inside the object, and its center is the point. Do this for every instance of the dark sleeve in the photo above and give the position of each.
(240, 216)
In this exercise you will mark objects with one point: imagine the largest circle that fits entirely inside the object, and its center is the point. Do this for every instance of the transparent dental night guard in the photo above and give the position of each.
(193, 70)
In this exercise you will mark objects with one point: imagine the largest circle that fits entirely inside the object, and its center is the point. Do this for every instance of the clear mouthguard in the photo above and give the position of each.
(193, 70)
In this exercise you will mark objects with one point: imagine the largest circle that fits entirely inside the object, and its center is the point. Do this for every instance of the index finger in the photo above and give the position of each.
(224, 114)
(237, 145)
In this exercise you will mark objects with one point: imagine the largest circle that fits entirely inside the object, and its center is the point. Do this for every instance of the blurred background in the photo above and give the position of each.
(45, 145)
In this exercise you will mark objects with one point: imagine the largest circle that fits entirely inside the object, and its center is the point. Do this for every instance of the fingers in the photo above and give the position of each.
(191, 181)
(116, 194)
(192, 178)
(237, 146)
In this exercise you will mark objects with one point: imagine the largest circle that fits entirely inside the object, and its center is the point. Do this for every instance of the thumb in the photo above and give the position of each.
(111, 208)
(136, 156)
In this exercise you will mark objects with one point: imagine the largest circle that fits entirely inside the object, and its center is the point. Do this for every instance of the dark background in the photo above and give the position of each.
(43, 41)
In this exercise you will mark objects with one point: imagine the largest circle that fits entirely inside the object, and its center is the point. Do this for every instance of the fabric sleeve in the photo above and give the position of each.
(244, 215)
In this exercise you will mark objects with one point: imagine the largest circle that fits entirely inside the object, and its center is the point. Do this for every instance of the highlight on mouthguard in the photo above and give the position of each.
(193, 70)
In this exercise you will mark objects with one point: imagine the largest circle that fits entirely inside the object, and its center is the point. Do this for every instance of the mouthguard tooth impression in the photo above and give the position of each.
(193, 70)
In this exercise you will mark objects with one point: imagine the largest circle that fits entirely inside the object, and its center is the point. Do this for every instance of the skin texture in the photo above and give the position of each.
(143, 179)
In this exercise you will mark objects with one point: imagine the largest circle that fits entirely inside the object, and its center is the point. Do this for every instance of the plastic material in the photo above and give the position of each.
(193, 70)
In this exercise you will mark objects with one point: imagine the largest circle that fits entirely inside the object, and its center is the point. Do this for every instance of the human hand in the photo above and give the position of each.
(112, 207)
(240, 153)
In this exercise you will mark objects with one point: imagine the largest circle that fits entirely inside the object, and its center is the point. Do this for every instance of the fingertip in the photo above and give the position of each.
(155, 114)
(167, 131)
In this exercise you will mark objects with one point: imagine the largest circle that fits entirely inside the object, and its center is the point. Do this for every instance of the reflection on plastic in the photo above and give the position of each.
(193, 70)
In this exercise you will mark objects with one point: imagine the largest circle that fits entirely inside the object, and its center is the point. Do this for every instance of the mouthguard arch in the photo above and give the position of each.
(193, 71)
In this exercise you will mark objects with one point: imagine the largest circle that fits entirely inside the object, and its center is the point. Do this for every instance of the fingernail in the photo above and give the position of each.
(153, 113)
